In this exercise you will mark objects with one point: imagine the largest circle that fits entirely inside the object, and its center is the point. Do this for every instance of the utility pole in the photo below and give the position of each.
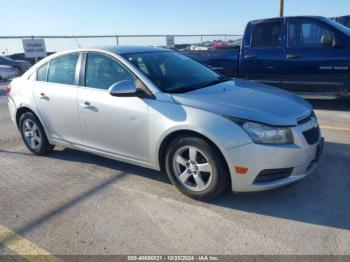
(281, 8)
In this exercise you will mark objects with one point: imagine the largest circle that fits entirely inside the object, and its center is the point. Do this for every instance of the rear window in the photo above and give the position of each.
(62, 69)
(41, 74)
(267, 35)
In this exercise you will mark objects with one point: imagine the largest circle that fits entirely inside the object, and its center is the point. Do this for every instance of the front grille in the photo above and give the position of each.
(270, 175)
(312, 136)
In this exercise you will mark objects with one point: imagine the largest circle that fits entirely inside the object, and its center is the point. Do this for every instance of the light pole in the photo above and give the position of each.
(281, 8)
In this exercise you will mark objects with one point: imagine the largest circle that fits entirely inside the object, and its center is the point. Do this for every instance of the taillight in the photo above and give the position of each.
(8, 89)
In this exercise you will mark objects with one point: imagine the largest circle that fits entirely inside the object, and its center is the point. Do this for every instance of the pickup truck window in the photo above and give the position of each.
(267, 35)
(306, 33)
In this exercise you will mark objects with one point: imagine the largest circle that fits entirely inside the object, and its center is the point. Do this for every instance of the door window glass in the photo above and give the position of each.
(267, 35)
(62, 69)
(101, 71)
(41, 74)
(306, 34)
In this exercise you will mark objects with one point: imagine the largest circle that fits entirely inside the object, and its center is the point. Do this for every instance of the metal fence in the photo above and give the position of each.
(12, 45)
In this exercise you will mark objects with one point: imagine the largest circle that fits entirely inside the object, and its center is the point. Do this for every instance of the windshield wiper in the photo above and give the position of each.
(217, 81)
(200, 85)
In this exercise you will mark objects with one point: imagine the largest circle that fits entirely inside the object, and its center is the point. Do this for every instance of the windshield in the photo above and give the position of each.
(173, 72)
(346, 21)
(342, 28)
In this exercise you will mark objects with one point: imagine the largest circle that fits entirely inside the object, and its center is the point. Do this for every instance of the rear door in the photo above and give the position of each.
(56, 96)
(310, 66)
(262, 52)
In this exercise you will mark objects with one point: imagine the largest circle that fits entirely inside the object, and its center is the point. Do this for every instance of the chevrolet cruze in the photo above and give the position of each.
(158, 109)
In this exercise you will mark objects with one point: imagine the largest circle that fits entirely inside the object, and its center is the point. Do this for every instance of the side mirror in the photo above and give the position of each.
(123, 88)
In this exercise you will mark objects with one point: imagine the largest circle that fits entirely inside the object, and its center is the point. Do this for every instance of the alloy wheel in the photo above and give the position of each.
(31, 134)
(192, 168)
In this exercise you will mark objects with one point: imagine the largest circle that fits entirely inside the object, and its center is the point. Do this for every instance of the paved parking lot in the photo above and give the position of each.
(76, 203)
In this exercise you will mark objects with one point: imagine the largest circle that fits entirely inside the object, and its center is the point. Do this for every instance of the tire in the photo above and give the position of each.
(212, 183)
(33, 134)
(20, 70)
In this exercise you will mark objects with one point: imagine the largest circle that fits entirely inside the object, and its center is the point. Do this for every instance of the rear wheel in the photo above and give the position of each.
(196, 168)
(33, 134)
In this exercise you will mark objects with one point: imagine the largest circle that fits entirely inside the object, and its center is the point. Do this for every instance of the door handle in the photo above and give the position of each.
(86, 105)
(250, 56)
(293, 56)
(43, 96)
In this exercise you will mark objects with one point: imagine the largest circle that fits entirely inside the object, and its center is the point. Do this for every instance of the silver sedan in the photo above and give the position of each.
(159, 109)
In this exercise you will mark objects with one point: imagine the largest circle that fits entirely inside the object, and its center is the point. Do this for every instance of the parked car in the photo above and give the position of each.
(21, 65)
(158, 109)
(8, 72)
(344, 20)
(22, 56)
(305, 55)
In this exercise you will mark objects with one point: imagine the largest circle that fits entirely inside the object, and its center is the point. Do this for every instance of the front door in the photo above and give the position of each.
(115, 125)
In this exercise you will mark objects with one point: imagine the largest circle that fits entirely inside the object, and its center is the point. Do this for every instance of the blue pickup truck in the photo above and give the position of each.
(344, 20)
(306, 55)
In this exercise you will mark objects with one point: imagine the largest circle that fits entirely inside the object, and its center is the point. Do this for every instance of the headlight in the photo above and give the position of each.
(265, 134)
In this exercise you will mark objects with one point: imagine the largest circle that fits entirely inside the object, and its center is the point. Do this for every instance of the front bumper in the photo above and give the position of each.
(299, 159)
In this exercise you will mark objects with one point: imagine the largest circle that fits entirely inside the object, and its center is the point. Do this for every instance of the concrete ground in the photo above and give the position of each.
(71, 202)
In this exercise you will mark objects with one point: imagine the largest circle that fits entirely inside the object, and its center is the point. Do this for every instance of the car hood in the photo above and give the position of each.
(248, 100)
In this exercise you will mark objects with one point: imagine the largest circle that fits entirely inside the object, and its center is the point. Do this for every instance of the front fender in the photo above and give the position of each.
(167, 118)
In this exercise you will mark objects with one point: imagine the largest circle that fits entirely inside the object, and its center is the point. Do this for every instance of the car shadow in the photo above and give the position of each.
(323, 198)
(82, 157)
(341, 104)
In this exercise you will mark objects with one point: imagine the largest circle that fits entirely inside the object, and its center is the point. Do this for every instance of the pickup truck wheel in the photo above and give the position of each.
(33, 134)
(195, 167)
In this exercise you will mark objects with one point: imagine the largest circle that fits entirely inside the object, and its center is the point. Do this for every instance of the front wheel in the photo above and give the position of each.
(33, 134)
(196, 168)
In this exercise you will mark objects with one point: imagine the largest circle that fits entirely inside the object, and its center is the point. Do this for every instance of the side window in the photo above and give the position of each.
(267, 35)
(41, 74)
(62, 69)
(306, 34)
(101, 71)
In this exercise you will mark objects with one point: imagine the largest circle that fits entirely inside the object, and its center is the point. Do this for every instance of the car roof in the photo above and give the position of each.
(120, 50)
(285, 17)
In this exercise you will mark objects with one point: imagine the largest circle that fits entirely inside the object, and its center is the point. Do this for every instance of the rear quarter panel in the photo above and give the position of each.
(22, 95)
